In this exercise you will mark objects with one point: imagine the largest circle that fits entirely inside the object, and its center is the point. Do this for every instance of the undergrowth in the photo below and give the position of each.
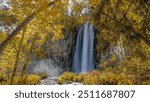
(102, 77)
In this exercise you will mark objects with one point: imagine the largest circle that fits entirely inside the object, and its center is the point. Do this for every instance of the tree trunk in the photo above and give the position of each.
(19, 27)
(28, 56)
(17, 58)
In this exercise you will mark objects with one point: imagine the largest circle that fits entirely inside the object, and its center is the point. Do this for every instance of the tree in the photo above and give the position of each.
(50, 23)
(21, 25)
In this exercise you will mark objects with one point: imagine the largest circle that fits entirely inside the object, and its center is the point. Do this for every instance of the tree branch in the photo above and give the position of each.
(19, 27)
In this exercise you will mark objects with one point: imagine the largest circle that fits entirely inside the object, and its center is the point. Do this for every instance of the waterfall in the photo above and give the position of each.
(83, 58)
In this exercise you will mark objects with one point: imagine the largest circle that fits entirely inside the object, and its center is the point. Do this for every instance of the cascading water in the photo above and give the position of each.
(83, 59)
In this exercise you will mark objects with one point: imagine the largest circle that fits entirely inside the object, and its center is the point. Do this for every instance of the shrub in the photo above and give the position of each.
(92, 78)
(97, 78)
(29, 79)
(65, 77)
(32, 79)
(79, 78)
(115, 79)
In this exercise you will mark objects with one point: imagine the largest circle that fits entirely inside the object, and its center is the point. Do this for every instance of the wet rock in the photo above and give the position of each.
(53, 81)
(49, 81)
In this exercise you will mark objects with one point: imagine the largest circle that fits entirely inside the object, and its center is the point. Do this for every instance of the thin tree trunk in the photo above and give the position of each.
(17, 57)
(19, 27)
(28, 56)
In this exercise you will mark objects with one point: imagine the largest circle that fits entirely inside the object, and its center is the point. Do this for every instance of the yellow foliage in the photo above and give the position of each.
(30, 79)
(57, 32)
(79, 78)
(7, 60)
(97, 78)
(115, 79)
(113, 19)
(94, 3)
(67, 76)
(3, 37)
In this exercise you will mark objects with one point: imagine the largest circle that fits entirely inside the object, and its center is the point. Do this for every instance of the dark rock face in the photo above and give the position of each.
(61, 51)
(57, 56)
(113, 55)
